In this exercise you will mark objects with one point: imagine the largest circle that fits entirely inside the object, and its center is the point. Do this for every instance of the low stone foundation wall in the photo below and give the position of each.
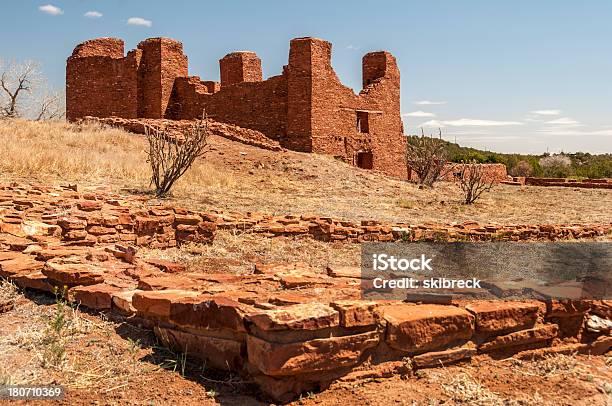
(561, 182)
(43, 214)
(332, 229)
(177, 129)
(290, 327)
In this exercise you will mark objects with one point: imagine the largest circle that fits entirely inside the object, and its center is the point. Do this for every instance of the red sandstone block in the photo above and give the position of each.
(216, 352)
(144, 225)
(167, 282)
(35, 280)
(157, 303)
(415, 328)
(443, 358)
(96, 297)
(166, 266)
(89, 205)
(355, 313)
(523, 337)
(208, 312)
(496, 316)
(54, 252)
(122, 302)
(307, 316)
(98, 230)
(71, 223)
(76, 235)
(192, 219)
(73, 274)
(602, 308)
(566, 307)
(14, 265)
(311, 356)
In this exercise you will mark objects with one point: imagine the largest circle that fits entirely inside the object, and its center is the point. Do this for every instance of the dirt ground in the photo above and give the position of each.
(111, 362)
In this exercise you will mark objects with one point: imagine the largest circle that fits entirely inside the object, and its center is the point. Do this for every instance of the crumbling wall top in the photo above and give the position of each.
(239, 67)
(160, 40)
(240, 54)
(377, 65)
(309, 54)
(107, 46)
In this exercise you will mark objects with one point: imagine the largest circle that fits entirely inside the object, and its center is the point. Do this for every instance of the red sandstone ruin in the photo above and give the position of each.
(306, 108)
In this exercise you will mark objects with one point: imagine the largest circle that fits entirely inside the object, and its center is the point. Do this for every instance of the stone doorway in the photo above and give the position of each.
(365, 159)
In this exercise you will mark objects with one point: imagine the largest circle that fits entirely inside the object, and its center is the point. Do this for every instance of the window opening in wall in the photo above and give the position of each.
(363, 122)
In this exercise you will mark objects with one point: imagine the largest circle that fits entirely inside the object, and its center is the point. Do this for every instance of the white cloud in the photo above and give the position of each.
(93, 14)
(572, 131)
(491, 138)
(469, 122)
(139, 21)
(551, 112)
(352, 47)
(564, 121)
(429, 103)
(433, 124)
(418, 114)
(465, 122)
(51, 9)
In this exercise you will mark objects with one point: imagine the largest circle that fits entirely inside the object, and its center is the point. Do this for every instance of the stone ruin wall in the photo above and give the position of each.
(492, 172)
(335, 107)
(306, 108)
(604, 183)
(102, 82)
(564, 182)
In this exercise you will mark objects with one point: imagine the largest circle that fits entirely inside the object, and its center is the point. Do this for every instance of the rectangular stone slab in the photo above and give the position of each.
(356, 313)
(306, 316)
(522, 337)
(18, 265)
(97, 297)
(73, 274)
(35, 280)
(498, 316)
(416, 328)
(323, 354)
(157, 303)
(122, 301)
(442, 358)
(217, 352)
(208, 312)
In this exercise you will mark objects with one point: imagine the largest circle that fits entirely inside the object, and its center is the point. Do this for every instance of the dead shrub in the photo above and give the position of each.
(473, 181)
(427, 157)
(170, 158)
(24, 92)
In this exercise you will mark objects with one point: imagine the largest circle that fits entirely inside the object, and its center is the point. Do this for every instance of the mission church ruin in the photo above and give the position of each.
(306, 108)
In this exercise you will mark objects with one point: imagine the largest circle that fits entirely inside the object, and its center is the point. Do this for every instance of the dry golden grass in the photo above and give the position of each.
(86, 153)
(239, 177)
(237, 253)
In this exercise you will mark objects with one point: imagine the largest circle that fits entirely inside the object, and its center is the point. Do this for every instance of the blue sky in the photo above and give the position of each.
(509, 76)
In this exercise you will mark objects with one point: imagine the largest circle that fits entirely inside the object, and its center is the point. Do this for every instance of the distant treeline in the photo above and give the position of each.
(576, 165)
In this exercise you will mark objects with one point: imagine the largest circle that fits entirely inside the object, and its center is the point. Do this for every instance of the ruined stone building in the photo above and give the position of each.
(306, 108)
